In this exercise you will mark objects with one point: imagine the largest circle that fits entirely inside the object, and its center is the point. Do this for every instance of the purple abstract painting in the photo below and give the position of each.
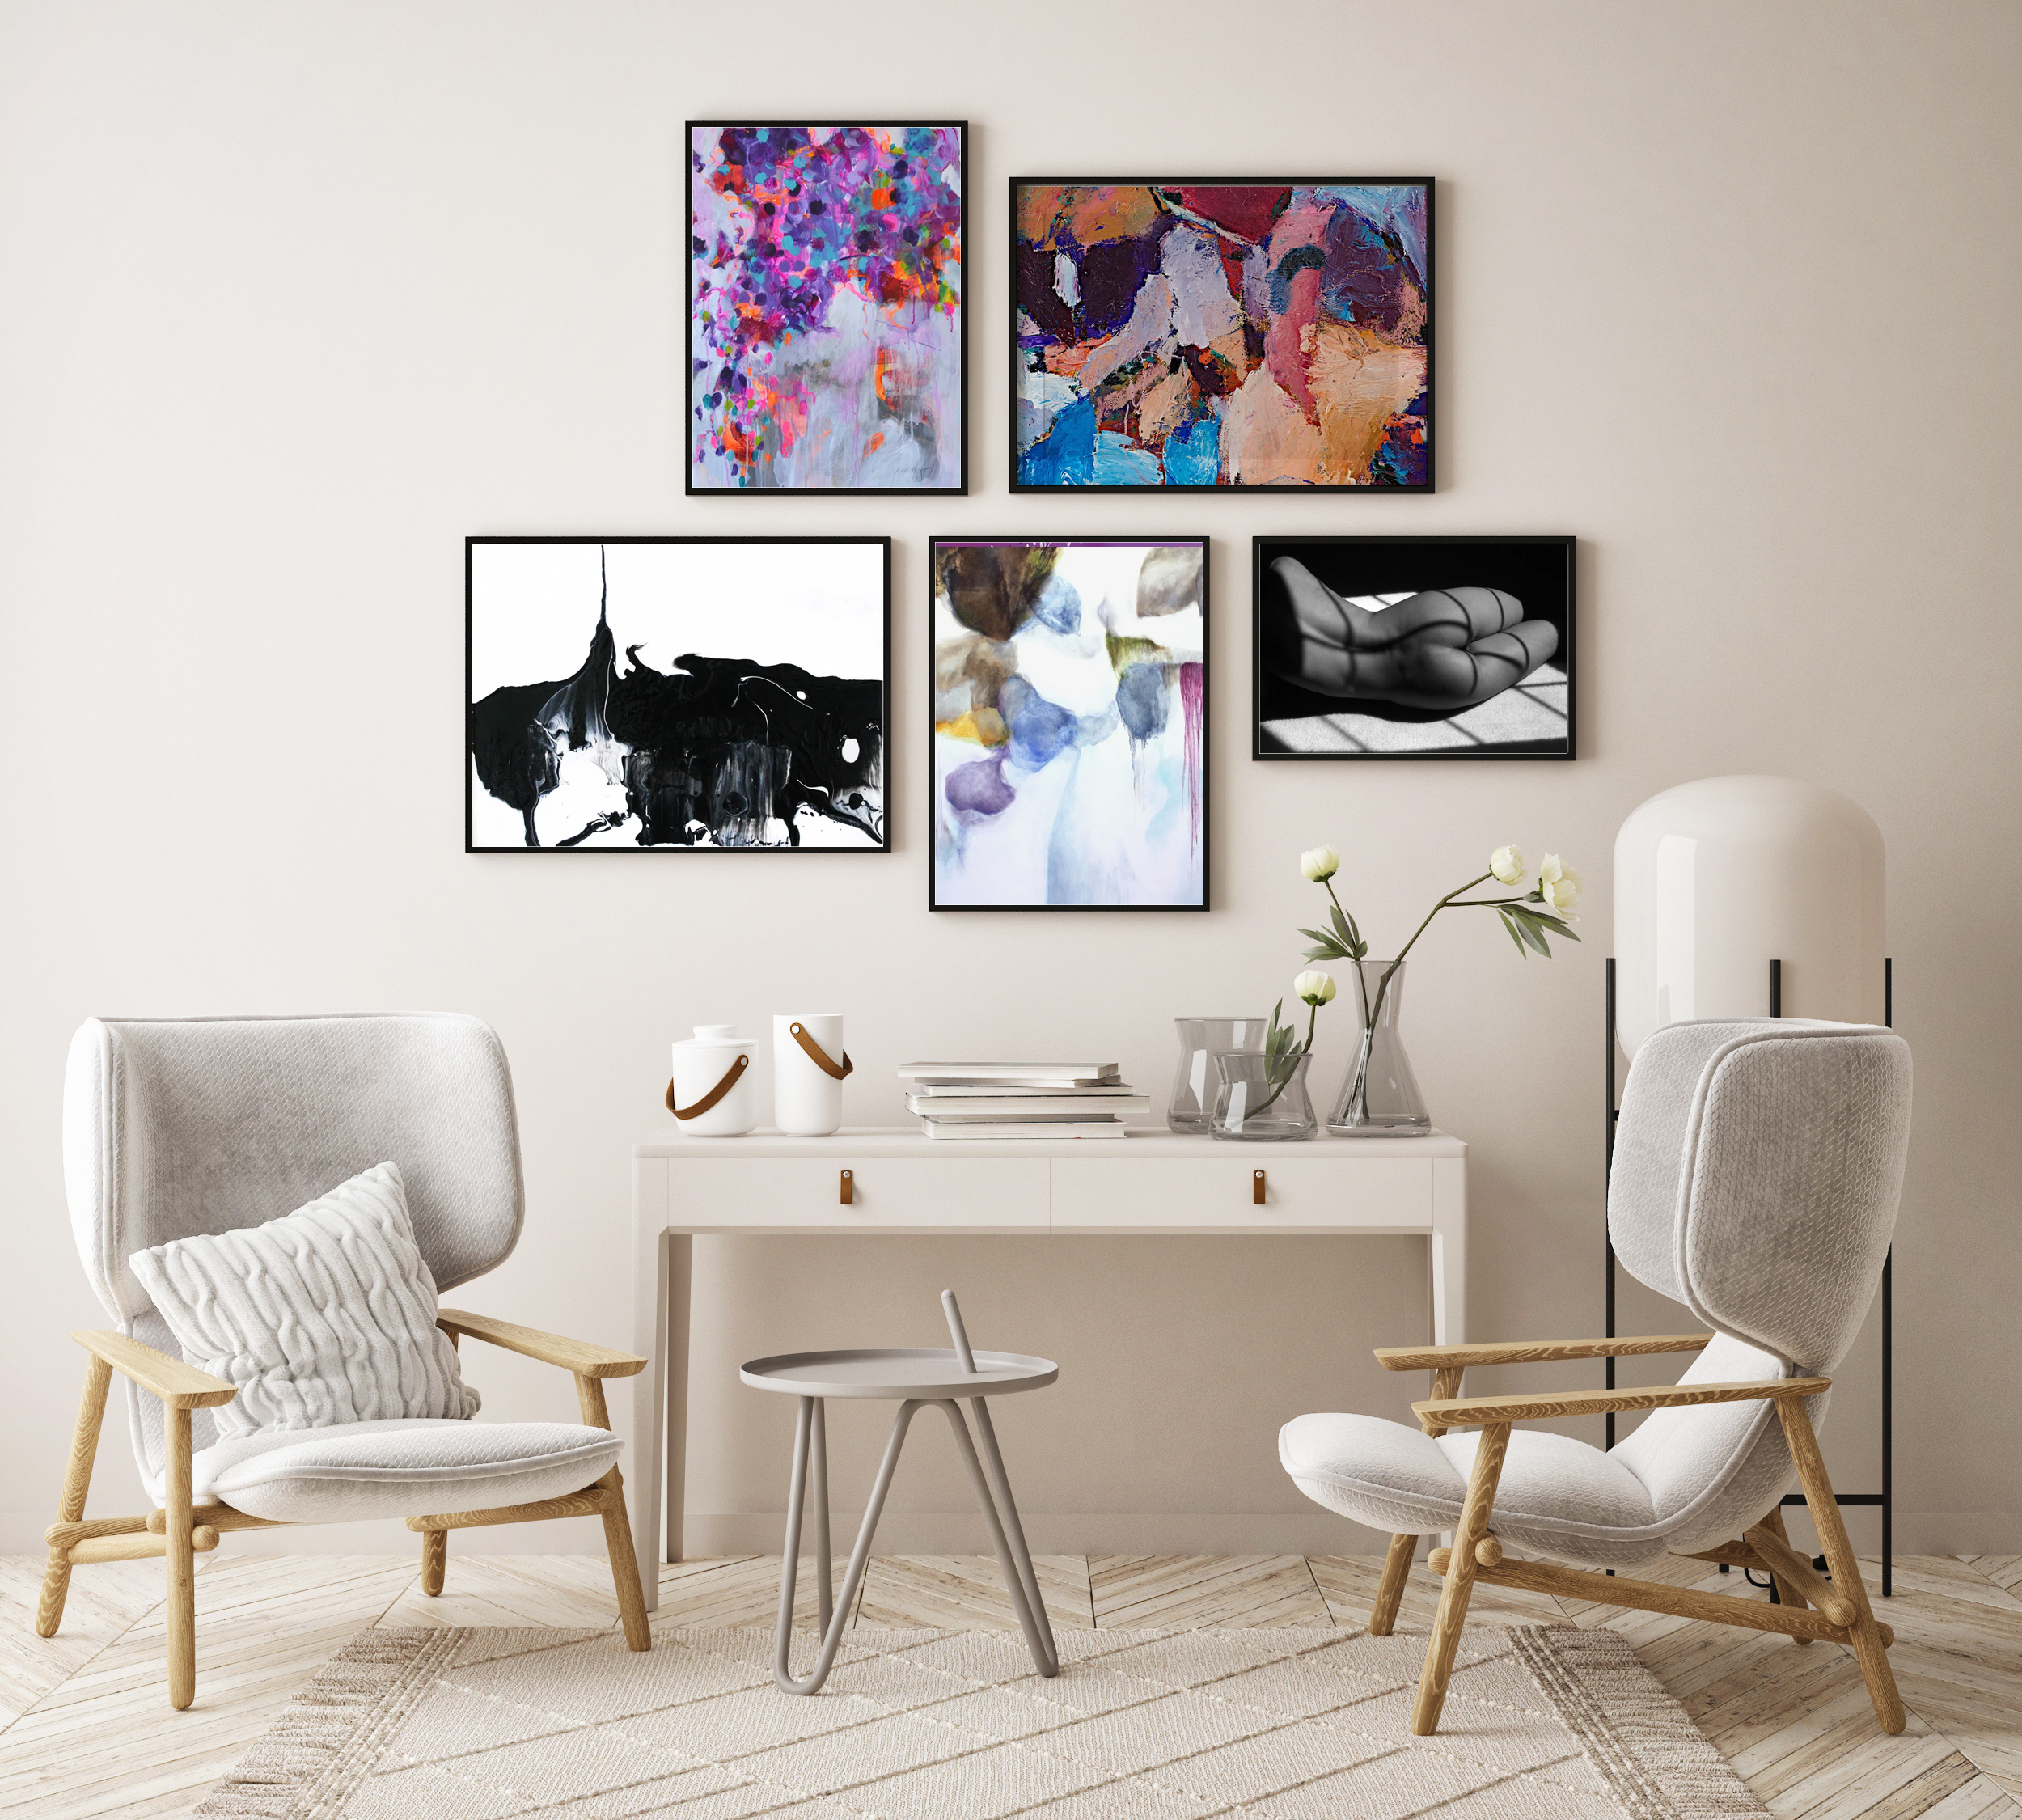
(826, 342)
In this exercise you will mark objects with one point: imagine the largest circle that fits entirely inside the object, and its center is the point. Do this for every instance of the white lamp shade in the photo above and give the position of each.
(1716, 879)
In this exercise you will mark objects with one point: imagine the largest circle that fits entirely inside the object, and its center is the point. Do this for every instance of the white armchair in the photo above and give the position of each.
(1758, 1167)
(180, 1127)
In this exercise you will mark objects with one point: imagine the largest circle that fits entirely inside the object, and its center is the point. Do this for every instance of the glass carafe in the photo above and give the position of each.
(1195, 1084)
(1252, 1107)
(1380, 1097)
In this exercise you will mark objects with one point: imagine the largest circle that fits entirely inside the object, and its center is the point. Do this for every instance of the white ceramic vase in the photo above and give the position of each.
(702, 1065)
(807, 1100)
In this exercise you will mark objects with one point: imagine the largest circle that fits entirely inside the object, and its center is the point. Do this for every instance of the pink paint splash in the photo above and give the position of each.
(1193, 693)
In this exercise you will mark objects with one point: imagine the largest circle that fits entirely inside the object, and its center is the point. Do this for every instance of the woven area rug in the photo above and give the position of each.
(1541, 1724)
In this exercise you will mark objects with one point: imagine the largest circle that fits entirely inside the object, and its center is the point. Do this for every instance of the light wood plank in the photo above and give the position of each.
(1231, 1592)
(966, 1592)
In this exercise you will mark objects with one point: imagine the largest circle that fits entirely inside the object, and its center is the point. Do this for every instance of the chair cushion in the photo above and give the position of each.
(1557, 1497)
(323, 1316)
(417, 1468)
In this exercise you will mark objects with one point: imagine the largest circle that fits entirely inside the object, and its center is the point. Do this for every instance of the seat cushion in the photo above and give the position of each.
(1557, 1497)
(399, 1468)
(321, 1317)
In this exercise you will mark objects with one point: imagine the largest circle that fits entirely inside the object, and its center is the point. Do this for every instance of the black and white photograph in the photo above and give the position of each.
(1413, 647)
(707, 693)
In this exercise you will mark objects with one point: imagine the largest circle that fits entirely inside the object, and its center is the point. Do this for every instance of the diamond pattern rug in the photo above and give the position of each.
(1543, 1723)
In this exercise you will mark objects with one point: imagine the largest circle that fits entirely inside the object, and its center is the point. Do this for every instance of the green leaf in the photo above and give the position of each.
(1529, 929)
(1511, 926)
(1330, 949)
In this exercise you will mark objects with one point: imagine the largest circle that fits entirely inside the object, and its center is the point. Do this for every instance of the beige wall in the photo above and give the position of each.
(296, 298)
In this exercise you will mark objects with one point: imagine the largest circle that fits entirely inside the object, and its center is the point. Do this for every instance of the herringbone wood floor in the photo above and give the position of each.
(85, 1733)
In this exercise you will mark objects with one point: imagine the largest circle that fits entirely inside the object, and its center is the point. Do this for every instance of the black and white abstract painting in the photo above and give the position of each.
(1414, 647)
(694, 692)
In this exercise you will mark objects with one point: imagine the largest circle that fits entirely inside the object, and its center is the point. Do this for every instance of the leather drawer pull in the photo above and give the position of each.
(730, 1077)
(849, 1188)
(819, 1056)
(1256, 1189)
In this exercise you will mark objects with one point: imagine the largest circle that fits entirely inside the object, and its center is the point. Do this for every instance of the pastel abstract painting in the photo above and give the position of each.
(677, 692)
(1414, 647)
(1070, 708)
(1233, 334)
(825, 342)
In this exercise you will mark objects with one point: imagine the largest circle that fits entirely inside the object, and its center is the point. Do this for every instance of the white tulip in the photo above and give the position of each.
(1558, 885)
(1319, 862)
(1507, 863)
(1314, 988)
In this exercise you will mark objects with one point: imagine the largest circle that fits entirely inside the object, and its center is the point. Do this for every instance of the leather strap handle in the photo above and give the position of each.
(819, 1056)
(731, 1075)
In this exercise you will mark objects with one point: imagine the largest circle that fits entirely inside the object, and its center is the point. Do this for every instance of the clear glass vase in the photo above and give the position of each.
(1380, 1097)
(1195, 1084)
(1252, 1108)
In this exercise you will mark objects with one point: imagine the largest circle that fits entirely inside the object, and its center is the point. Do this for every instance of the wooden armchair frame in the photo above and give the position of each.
(182, 1529)
(1811, 1607)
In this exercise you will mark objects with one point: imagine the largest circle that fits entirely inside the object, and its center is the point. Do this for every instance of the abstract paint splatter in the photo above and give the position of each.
(1070, 704)
(1230, 335)
(825, 340)
(699, 692)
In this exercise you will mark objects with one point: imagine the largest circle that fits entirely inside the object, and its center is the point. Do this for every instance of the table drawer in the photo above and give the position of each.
(803, 1194)
(1216, 1192)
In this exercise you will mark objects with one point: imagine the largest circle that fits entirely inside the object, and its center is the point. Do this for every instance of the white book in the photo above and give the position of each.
(1023, 1106)
(965, 1130)
(986, 1074)
(941, 1093)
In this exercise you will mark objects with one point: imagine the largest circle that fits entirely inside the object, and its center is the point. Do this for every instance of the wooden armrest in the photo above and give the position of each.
(1532, 1351)
(577, 1355)
(1472, 1412)
(178, 1385)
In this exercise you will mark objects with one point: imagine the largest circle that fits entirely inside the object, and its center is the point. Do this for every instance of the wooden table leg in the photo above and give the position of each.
(680, 1270)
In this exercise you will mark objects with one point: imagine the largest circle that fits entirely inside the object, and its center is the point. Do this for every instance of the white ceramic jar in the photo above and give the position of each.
(807, 1098)
(715, 1058)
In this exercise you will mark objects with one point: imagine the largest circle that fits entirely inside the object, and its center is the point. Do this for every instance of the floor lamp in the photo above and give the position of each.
(1750, 897)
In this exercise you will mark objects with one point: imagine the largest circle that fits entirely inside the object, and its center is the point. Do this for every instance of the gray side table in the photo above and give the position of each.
(916, 1378)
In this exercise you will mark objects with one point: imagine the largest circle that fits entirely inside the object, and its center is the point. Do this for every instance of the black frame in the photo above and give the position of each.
(1569, 652)
(1206, 742)
(470, 782)
(688, 316)
(1431, 361)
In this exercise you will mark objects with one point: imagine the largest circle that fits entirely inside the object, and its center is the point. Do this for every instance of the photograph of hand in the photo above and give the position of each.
(1414, 647)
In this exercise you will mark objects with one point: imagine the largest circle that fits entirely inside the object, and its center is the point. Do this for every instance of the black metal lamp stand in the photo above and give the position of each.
(1885, 1497)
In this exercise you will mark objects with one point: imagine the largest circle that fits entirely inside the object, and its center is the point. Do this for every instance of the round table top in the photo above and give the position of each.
(898, 1371)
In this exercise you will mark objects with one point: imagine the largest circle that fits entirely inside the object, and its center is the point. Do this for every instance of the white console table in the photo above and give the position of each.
(1154, 1184)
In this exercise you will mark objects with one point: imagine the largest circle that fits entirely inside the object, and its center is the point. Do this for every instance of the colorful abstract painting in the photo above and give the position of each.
(825, 342)
(1070, 735)
(1233, 334)
(677, 692)
(1414, 647)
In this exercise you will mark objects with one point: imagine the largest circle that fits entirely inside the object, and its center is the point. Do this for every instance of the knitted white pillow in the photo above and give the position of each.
(325, 1315)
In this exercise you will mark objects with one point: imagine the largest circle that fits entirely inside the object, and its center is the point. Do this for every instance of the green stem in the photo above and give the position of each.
(1292, 1066)
(1383, 985)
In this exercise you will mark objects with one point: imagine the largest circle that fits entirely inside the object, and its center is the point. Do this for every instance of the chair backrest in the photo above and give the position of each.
(1757, 1166)
(173, 1127)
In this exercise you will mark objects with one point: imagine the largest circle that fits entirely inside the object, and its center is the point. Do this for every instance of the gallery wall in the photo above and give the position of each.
(298, 297)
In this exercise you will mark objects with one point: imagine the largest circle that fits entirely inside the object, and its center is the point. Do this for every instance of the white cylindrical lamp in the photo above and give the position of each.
(1716, 879)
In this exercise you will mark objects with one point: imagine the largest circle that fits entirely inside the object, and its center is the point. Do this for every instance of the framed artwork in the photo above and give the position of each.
(1070, 723)
(827, 343)
(631, 694)
(1222, 333)
(1414, 647)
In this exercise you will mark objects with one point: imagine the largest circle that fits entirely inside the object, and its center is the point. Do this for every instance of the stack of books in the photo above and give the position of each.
(997, 1100)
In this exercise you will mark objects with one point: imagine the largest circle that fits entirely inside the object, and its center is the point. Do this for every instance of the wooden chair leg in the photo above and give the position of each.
(1389, 1592)
(435, 1560)
(1869, 1650)
(1460, 1579)
(1786, 1593)
(77, 1486)
(181, 1559)
(625, 1559)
